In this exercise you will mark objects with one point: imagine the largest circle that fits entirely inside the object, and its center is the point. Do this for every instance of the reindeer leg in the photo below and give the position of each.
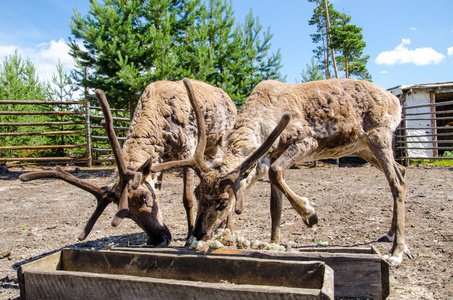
(276, 213)
(228, 223)
(302, 205)
(158, 184)
(188, 200)
(369, 157)
(380, 142)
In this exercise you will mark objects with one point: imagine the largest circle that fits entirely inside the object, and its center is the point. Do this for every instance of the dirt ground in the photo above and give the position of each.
(353, 202)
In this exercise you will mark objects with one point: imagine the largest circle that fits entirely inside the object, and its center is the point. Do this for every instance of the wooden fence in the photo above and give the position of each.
(91, 124)
(432, 142)
(96, 133)
(411, 143)
(33, 125)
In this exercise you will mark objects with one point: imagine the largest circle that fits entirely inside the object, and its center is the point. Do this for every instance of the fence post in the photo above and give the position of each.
(432, 100)
(87, 123)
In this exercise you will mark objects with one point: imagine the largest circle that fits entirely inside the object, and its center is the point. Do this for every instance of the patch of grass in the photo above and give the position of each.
(443, 163)
(439, 162)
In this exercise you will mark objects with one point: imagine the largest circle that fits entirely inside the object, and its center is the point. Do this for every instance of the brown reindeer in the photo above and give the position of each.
(330, 119)
(163, 128)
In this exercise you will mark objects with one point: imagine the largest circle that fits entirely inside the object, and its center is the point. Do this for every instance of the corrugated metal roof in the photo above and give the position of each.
(422, 86)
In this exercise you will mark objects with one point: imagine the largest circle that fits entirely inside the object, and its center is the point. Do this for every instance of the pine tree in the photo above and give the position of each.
(347, 39)
(129, 44)
(64, 89)
(232, 56)
(313, 72)
(323, 52)
(19, 81)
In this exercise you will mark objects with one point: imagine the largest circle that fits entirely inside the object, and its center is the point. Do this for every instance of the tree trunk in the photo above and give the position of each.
(329, 37)
(346, 62)
(326, 56)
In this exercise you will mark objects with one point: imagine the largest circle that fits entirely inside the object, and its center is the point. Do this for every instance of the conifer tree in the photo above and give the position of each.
(345, 39)
(313, 72)
(129, 44)
(19, 81)
(323, 52)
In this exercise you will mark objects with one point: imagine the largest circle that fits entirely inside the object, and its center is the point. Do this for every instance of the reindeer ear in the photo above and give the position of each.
(233, 180)
(145, 169)
(239, 205)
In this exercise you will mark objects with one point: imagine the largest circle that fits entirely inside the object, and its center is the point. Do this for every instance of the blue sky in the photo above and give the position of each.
(409, 41)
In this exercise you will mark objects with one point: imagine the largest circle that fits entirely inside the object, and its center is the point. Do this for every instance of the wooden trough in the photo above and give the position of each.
(84, 274)
(358, 272)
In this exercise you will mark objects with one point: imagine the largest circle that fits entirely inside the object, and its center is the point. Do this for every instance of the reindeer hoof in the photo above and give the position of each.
(312, 220)
(395, 257)
(394, 260)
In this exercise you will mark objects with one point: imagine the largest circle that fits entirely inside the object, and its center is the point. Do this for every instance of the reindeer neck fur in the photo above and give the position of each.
(248, 134)
(164, 126)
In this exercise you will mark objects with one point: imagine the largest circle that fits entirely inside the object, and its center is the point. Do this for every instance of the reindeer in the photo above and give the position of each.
(330, 119)
(163, 128)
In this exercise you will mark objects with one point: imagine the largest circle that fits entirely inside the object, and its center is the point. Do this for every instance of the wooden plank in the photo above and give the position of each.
(72, 159)
(237, 270)
(111, 109)
(101, 149)
(432, 100)
(42, 147)
(50, 263)
(358, 272)
(87, 123)
(50, 112)
(82, 285)
(104, 138)
(114, 118)
(42, 133)
(83, 274)
(102, 127)
(35, 102)
(42, 124)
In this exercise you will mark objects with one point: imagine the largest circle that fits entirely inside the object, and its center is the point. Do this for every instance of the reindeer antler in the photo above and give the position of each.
(197, 161)
(103, 198)
(234, 177)
(127, 178)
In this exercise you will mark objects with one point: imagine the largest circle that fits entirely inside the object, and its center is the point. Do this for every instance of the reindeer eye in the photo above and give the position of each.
(221, 204)
(144, 197)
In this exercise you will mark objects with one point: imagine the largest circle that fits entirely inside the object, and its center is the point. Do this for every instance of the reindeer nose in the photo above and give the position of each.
(162, 240)
(312, 220)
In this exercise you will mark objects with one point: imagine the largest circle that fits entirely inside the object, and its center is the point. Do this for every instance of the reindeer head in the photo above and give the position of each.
(135, 197)
(216, 190)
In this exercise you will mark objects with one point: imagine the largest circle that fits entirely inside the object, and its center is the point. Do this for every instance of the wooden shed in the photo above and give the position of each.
(426, 131)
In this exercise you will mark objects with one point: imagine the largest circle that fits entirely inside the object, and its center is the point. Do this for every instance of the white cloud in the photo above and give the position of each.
(412, 28)
(450, 51)
(43, 56)
(403, 55)
(384, 72)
